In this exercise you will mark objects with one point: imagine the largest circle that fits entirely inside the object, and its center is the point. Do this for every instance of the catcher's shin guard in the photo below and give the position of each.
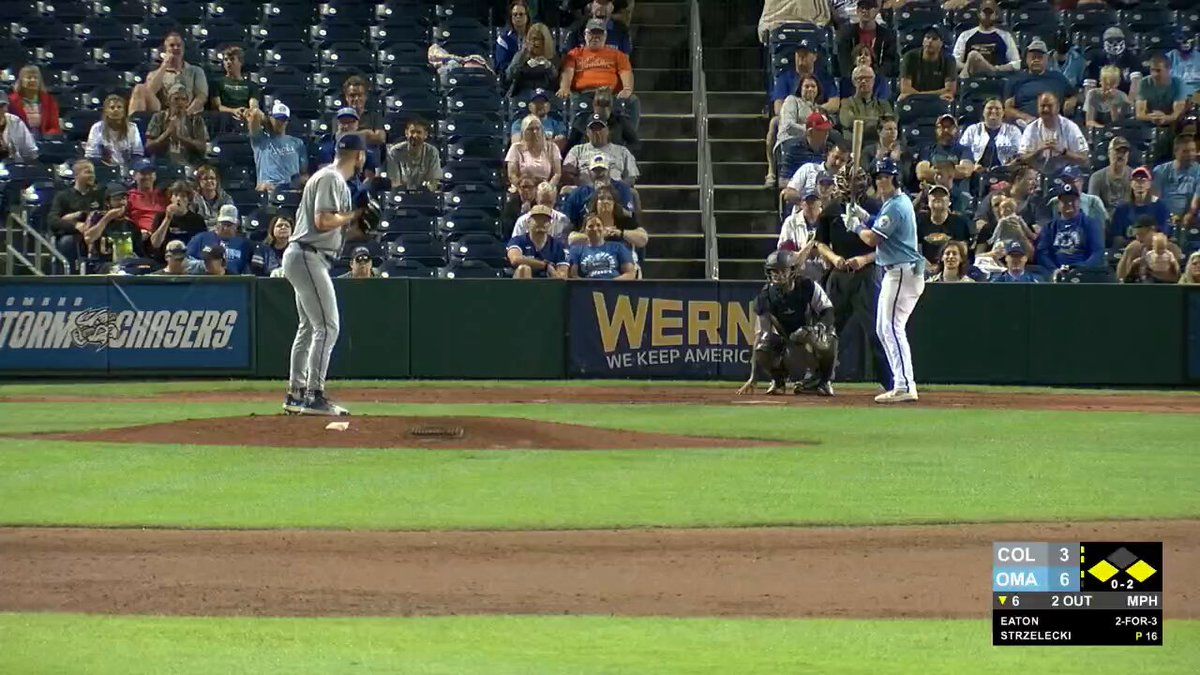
(768, 358)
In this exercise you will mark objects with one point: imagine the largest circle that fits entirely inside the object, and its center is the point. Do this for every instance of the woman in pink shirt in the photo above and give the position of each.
(533, 155)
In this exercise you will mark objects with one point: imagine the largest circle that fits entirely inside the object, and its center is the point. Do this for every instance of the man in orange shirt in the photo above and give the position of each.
(596, 65)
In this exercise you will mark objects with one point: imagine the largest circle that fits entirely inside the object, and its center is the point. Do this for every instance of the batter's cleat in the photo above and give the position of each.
(292, 404)
(896, 396)
(317, 404)
(776, 388)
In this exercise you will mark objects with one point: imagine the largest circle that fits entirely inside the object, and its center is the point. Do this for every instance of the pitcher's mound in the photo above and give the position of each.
(466, 433)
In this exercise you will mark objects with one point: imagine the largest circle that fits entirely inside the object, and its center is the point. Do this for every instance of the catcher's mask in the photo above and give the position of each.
(780, 268)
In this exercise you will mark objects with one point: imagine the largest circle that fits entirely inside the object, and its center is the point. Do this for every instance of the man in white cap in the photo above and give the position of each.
(279, 159)
(178, 262)
(621, 164)
(238, 250)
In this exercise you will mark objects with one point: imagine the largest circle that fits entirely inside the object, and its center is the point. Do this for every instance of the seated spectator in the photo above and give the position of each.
(793, 120)
(539, 107)
(862, 57)
(1111, 183)
(114, 140)
(1051, 142)
(237, 250)
(1010, 226)
(815, 145)
(953, 261)
(939, 225)
(986, 49)
(789, 84)
(210, 196)
(619, 224)
(177, 222)
(993, 142)
(145, 200)
(799, 228)
(232, 93)
(621, 164)
(946, 150)
(1031, 205)
(1161, 101)
(600, 259)
(280, 160)
(594, 65)
(599, 12)
(537, 254)
(1185, 63)
(1091, 205)
(214, 258)
(174, 134)
(1066, 58)
(1071, 239)
(345, 122)
(533, 155)
(267, 259)
(560, 224)
(805, 178)
(1143, 251)
(362, 265)
(878, 40)
(16, 143)
(775, 13)
(535, 66)
(1191, 272)
(414, 164)
(1141, 202)
(864, 105)
(1107, 104)
(620, 129)
(1114, 53)
(151, 95)
(1015, 257)
(928, 70)
(511, 39)
(36, 107)
(576, 203)
(518, 203)
(370, 120)
(1023, 92)
(177, 261)
(889, 146)
(1178, 181)
(110, 237)
(70, 210)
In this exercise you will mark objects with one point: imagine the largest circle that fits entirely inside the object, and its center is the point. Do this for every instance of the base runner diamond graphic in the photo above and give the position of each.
(1103, 570)
(1141, 570)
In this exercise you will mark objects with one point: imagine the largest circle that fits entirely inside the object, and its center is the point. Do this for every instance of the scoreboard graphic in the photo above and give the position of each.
(1077, 593)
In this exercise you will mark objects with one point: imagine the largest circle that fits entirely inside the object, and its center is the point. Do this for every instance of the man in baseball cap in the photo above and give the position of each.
(1091, 205)
(929, 70)
(1111, 183)
(1015, 257)
(361, 265)
(537, 254)
(1071, 239)
(237, 249)
(539, 107)
(1024, 88)
(146, 200)
(279, 159)
(946, 148)
(176, 256)
(214, 261)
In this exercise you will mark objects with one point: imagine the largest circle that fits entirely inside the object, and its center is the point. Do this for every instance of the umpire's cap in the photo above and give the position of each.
(887, 166)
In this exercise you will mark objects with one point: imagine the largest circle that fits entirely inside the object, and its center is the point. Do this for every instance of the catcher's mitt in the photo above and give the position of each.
(820, 337)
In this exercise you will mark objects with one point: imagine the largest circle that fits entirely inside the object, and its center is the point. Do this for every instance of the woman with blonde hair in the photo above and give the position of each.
(536, 65)
(36, 107)
(954, 263)
(114, 140)
(1107, 104)
(533, 155)
(1191, 271)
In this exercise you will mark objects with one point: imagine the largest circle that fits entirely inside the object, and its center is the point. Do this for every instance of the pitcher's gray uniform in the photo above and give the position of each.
(306, 265)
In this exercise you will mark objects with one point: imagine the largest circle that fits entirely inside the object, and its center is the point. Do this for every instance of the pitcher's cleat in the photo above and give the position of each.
(292, 404)
(317, 404)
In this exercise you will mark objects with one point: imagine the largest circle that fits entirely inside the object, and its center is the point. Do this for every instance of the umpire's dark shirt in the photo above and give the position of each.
(831, 230)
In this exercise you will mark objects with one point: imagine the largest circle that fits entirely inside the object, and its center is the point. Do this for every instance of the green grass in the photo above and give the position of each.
(867, 466)
(48, 643)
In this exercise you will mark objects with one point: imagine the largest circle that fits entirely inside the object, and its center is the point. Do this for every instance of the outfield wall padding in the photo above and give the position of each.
(1068, 334)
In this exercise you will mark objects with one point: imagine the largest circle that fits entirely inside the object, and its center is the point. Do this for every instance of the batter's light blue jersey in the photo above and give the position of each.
(896, 224)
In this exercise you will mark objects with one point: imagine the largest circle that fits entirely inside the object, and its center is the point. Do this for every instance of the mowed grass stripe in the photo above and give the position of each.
(49, 643)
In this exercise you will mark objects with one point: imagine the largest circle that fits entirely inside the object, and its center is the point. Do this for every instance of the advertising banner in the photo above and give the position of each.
(119, 325)
(675, 330)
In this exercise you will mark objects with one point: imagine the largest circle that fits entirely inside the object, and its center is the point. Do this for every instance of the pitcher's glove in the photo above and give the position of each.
(371, 216)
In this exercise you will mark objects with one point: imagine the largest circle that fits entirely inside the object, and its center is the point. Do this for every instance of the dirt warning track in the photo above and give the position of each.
(890, 572)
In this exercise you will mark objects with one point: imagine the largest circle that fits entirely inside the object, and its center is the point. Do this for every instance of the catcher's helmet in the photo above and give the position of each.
(885, 166)
(784, 263)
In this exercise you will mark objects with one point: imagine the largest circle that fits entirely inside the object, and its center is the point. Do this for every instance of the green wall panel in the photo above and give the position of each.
(967, 333)
(473, 328)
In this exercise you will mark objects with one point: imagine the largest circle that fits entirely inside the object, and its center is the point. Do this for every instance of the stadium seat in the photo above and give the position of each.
(77, 123)
(219, 32)
(56, 150)
(232, 149)
(484, 198)
(94, 75)
(420, 247)
(400, 54)
(328, 32)
(471, 172)
(478, 246)
(123, 56)
(298, 12)
(295, 55)
(60, 54)
(129, 12)
(238, 177)
(399, 79)
(921, 109)
(475, 147)
(100, 30)
(472, 269)
(397, 222)
(244, 13)
(66, 11)
(462, 222)
(416, 200)
(39, 32)
(348, 55)
(1039, 19)
(183, 12)
(406, 268)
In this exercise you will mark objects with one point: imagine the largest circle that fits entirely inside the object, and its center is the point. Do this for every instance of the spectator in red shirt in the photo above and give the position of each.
(34, 105)
(145, 200)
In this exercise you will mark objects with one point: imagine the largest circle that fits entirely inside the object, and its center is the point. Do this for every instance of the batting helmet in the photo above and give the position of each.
(886, 166)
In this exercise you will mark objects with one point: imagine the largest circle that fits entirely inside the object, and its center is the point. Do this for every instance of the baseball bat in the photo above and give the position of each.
(856, 152)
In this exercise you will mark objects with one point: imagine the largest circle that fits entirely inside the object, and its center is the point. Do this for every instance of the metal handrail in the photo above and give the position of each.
(704, 177)
(42, 246)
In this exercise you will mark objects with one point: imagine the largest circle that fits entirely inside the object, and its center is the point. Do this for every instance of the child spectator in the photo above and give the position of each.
(1107, 104)
(1160, 264)
(414, 164)
(177, 222)
(36, 107)
(114, 140)
(1014, 267)
(1132, 267)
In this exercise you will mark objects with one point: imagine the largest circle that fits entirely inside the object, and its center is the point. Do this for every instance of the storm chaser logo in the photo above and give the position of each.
(99, 327)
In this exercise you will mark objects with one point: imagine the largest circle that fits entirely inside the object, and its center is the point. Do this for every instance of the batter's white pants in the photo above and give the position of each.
(898, 294)
(316, 304)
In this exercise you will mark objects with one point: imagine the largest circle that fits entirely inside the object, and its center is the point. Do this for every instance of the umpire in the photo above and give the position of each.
(853, 281)
(794, 330)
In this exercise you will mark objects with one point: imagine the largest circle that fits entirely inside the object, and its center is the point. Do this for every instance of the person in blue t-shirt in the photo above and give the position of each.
(575, 204)
(1021, 92)
(1015, 258)
(238, 250)
(537, 255)
(600, 259)
(1071, 239)
(279, 159)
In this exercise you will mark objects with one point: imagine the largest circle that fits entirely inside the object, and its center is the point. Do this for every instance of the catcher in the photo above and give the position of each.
(795, 333)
